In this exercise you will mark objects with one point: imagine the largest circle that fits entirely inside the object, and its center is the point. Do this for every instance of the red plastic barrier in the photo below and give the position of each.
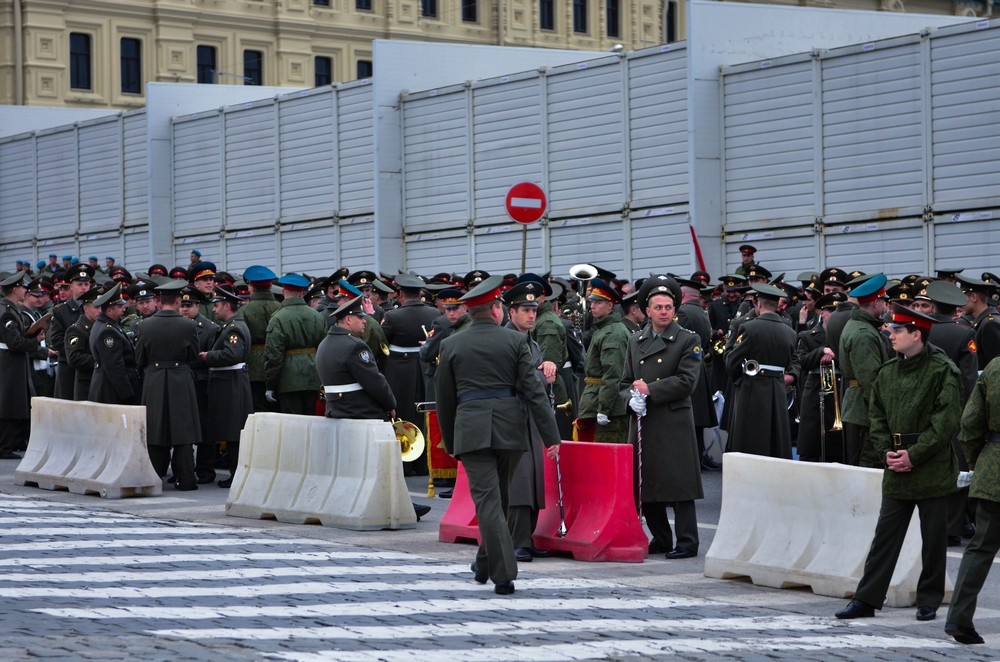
(598, 501)
(459, 523)
(599, 504)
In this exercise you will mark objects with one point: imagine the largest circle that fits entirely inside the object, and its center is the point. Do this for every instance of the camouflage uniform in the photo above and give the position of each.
(293, 334)
(257, 313)
(862, 351)
(604, 367)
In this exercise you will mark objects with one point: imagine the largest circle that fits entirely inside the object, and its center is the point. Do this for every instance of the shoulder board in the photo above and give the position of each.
(688, 331)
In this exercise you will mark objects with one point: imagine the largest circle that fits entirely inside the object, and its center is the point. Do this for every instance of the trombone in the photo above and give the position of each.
(828, 385)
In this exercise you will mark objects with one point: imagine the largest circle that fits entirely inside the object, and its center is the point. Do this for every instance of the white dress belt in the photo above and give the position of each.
(775, 368)
(405, 350)
(3, 345)
(568, 364)
(238, 366)
(342, 388)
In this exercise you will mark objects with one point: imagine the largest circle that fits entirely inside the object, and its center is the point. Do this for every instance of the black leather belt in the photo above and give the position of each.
(904, 440)
(994, 437)
(485, 393)
(764, 372)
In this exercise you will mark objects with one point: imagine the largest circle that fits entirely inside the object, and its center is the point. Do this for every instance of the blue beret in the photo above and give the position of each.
(92, 257)
(53, 255)
(67, 257)
(294, 280)
(257, 273)
(870, 286)
(75, 260)
(41, 264)
(196, 252)
(109, 258)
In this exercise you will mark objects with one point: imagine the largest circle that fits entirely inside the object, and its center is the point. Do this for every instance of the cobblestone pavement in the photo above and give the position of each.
(79, 580)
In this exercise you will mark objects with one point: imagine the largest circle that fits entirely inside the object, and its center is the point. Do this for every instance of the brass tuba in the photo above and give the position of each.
(410, 437)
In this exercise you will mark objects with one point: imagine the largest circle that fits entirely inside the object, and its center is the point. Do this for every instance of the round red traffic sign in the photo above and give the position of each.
(526, 202)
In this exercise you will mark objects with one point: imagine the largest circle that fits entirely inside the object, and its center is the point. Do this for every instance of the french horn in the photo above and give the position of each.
(410, 438)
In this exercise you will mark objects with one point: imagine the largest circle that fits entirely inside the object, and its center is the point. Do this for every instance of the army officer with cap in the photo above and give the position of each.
(229, 397)
(116, 378)
(15, 381)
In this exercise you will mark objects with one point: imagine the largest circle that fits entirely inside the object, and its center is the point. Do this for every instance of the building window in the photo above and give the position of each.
(131, 66)
(671, 27)
(580, 16)
(206, 64)
(470, 11)
(547, 14)
(429, 8)
(614, 24)
(79, 61)
(321, 3)
(364, 69)
(253, 68)
(323, 70)
(363, 5)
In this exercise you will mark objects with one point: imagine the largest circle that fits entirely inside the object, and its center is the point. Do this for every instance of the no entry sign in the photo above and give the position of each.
(525, 202)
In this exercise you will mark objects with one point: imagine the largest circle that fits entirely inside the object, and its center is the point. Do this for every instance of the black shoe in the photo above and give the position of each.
(421, 510)
(969, 530)
(657, 547)
(205, 479)
(523, 555)
(954, 541)
(445, 494)
(708, 464)
(963, 634)
(226, 482)
(171, 480)
(539, 553)
(480, 578)
(926, 613)
(856, 609)
(504, 588)
(10, 455)
(681, 553)
(186, 487)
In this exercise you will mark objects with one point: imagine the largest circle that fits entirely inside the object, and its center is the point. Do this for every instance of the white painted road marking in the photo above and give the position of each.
(213, 560)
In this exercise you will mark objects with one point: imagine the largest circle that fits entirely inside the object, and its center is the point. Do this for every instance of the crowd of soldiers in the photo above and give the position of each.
(801, 360)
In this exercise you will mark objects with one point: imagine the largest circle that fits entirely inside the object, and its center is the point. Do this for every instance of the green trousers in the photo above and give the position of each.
(976, 564)
(489, 473)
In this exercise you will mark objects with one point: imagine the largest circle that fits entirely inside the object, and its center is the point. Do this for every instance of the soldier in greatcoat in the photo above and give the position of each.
(77, 341)
(116, 378)
(691, 316)
(193, 303)
(229, 397)
(484, 376)
(759, 423)
(663, 364)
(812, 354)
(984, 317)
(36, 300)
(80, 280)
(164, 349)
(16, 388)
(914, 411)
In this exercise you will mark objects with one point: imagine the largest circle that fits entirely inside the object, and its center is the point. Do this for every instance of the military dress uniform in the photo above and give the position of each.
(16, 388)
(229, 397)
(692, 316)
(79, 356)
(862, 350)
(293, 334)
(670, 464)
(987, 326)
(405, 329)
(980, 437)
(62, 317)
(352, 384)
(116, 377)
(602, 374)
(759, 422)
(915, 405)
(207, 451)
(257, 313)
(485, 377)
(165, 349)
(550, 334)
(41, 377)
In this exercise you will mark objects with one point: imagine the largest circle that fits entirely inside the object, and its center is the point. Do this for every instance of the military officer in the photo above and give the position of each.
(293, 334)
(193, 303)
(78, 352)
(691, 316)
(202, 276)
(405, 329)
(813, 354)
(365, 282)
(527, 488)
(80, 280)
(257, 313)
(454, 318)
(600, 402)
(721, 313)
(35, 299)
(141, 294)
(229, 397)
(862, 351)
(165, 349)
(747, 259)
(663, 365)
(372, 335)
(552, 335)
(116, 378)
(915, 407)
(981, 443)
(16, 388)
(761, 366)
(633, 316)
(985, 319)
(485, 377)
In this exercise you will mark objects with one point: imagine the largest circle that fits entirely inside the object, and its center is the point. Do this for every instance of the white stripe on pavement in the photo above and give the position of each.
(393, 608)
(619, 648)
(66, 519)
(213, 560)
(518, 628)
(109, 531)
(112, 544)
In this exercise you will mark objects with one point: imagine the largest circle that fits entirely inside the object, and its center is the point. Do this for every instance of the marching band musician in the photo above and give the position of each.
(16, 388)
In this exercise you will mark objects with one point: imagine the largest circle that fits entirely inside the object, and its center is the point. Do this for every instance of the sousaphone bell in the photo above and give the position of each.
(410, 438)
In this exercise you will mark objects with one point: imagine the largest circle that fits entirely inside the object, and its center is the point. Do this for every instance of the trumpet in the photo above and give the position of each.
(828, 385)
(750, 367)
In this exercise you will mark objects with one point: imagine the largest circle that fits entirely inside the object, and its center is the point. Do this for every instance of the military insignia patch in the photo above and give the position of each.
(109, 342)
(233, 339)
(739, 339)
(73, 341)
(9, 324)
(366, 356)
(972, 346)
(696, 351)
(385, 349)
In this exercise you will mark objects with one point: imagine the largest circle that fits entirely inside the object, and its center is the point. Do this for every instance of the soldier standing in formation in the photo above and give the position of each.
(663, 364)
(35, 299)
(16, 388)
(77, 341)
(229, 398)
(80, 280)
(115, 380)
(915, 406)
(293, 334)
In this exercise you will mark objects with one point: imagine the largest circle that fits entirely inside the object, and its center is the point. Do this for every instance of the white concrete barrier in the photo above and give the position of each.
(307, 469)
(788, 524)
(88, 448)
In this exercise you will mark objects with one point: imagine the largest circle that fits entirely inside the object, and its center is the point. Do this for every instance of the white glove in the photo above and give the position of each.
(602, 419)
(269, 396)
(637, 403)
(964, 479)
